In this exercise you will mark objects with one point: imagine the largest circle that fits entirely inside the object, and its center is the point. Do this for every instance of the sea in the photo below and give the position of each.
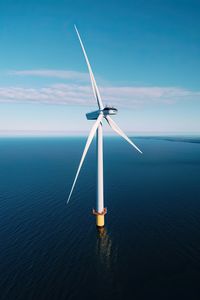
(150, 246)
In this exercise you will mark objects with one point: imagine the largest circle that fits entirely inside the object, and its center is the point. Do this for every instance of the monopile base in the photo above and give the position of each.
(100, 222)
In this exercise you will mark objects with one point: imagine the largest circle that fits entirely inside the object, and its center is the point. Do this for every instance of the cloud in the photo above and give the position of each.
(132, 96)
(76, 94)
(80, 92)
(62, 74)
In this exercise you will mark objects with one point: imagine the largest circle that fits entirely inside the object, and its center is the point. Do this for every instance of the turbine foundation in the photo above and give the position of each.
(100, 222)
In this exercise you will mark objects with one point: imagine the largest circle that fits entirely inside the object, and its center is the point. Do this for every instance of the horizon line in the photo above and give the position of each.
(42, 133)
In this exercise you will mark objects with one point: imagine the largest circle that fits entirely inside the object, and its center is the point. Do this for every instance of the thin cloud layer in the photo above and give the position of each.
(80, 93)
(74, 94)
(62, 74)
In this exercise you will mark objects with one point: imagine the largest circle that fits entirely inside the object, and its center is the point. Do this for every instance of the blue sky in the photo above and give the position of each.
(144, 54)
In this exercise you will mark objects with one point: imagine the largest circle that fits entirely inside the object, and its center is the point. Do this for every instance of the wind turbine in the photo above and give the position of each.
(103, 112)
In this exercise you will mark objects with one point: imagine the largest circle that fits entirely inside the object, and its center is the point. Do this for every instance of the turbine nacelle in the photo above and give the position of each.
(108, 110)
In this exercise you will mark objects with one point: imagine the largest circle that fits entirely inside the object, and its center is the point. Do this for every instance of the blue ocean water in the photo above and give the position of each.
(150, 247)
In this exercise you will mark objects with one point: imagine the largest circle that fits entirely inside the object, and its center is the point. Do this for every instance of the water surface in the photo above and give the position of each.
(150, 248)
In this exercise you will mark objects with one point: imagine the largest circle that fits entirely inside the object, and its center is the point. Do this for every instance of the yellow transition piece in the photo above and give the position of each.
(100, 220)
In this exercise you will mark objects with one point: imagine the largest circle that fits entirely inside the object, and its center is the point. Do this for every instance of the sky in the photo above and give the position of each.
(144, 55)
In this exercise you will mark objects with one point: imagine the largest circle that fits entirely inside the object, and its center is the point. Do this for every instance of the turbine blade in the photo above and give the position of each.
(89, 140)
(116, 128)
(94, 85)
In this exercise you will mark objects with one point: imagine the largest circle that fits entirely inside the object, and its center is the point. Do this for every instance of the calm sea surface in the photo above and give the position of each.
(150, 248)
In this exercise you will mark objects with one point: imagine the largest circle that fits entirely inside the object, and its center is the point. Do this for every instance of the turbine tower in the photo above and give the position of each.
(98, 115)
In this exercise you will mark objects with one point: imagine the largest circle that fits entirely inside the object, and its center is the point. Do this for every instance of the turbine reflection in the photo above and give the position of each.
(104, 247)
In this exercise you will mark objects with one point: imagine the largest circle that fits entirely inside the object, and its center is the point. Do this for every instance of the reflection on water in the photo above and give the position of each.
(107, 268)
(104, 247)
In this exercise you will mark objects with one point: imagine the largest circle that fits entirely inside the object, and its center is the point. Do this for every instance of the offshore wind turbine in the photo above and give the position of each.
(103, 112)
